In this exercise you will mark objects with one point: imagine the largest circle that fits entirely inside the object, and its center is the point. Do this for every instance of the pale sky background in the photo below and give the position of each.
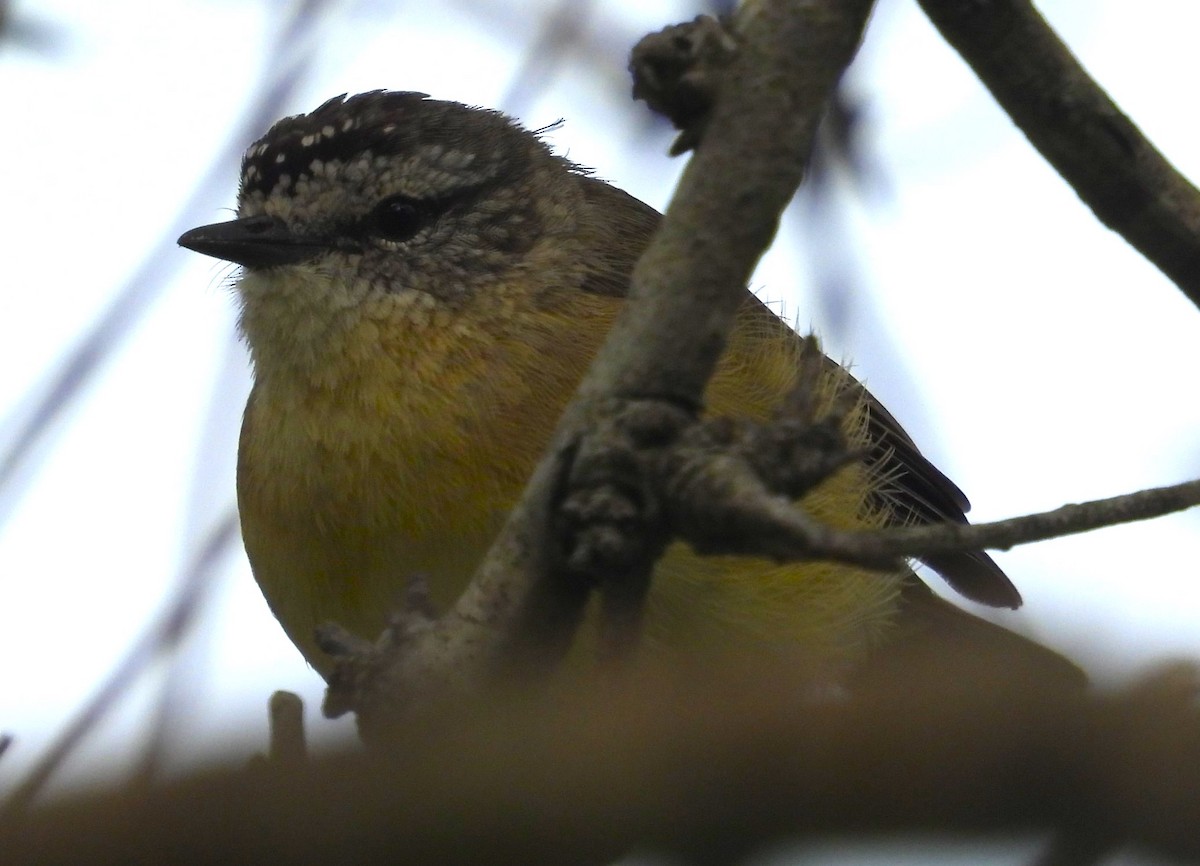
(1034, 355)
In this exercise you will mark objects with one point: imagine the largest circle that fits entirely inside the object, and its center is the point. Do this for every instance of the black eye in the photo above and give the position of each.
(398, 218)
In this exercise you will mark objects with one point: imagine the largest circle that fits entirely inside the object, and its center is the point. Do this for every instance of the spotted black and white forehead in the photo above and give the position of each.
(377, 125)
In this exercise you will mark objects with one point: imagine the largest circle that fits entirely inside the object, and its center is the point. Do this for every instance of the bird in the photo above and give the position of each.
(423, 284)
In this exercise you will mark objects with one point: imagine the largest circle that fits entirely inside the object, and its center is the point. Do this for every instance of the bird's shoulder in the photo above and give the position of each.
(619, 226)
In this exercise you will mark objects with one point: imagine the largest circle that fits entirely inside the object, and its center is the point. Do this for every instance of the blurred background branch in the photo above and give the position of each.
(1119, 174)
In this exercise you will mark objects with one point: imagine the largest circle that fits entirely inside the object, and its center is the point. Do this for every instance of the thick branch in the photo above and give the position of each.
(1129, 185)
(752, 152)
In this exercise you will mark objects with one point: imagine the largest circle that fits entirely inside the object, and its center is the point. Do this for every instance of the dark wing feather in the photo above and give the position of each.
(922, 494)
(916, 489)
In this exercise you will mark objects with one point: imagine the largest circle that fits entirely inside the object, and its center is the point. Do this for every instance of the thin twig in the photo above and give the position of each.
(759, 522)
(289, 744)
(561, 33)
(30, 425)
(161, 637)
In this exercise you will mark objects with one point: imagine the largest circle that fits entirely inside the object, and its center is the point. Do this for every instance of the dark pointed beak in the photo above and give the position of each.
(253, 242)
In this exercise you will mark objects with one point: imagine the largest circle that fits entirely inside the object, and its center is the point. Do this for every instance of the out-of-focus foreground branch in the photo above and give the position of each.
(721, 760)
(1066, 115)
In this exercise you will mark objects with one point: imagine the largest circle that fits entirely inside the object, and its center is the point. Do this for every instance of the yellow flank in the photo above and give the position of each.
(390, 438)
(837, 613)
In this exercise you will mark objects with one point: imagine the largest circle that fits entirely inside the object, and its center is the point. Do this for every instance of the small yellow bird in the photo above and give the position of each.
(423, 286)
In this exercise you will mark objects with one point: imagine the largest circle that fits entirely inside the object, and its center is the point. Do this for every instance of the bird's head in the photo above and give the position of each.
(386, 201)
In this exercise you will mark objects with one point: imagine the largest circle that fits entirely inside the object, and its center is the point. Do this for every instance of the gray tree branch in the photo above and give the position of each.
(1066, 115)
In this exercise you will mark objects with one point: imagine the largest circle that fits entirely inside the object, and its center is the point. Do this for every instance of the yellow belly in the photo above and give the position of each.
(408, 468)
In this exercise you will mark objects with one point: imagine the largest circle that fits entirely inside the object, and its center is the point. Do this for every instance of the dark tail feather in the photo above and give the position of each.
(977, 577)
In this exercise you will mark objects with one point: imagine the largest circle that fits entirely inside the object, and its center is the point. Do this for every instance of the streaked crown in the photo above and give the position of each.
(403, 191)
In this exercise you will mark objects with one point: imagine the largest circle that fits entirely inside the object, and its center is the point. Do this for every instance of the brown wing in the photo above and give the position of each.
(916, 489)
(620, 227)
